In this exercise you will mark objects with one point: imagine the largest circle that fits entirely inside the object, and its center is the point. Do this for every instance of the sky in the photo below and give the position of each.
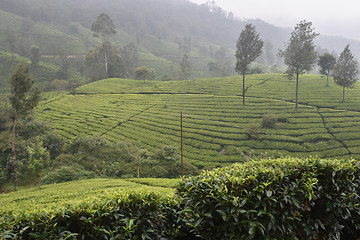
(329, 17)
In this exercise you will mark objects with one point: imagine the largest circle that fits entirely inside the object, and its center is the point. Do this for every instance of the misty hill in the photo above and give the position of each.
(162, 30)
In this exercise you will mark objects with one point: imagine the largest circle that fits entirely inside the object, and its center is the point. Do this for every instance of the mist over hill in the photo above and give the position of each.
(162, 31)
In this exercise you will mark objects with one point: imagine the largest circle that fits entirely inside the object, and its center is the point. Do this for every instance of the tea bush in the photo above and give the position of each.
(287, 198)
(136, 215)
(275, 199)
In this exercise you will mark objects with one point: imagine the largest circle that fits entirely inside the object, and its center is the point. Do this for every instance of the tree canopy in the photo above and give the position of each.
(248, 48)
(103, 27)
(346, 70)
(23, 99)
(326, 62)
(300, 54)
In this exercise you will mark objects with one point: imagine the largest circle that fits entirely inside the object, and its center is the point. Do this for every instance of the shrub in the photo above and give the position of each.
(136, 215)
(283, 120)
(269, 122)
(66, 174)
(252, 132)
(275, 199)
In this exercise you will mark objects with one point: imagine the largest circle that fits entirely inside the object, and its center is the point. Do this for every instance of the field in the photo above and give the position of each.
(52, 196)
(218, 130)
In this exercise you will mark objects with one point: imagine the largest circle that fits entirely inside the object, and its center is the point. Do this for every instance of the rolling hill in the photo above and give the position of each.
(162, 31)
(218, 130)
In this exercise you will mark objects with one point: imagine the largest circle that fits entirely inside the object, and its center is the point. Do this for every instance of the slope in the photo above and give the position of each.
(218, 130)
(53, 196)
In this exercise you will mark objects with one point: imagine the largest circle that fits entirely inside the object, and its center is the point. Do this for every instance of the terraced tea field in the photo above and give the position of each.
(216, 125)
(53, 196)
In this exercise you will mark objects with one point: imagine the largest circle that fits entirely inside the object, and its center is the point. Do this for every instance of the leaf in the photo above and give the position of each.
(223, 214)
(269, 193)
(252, 229)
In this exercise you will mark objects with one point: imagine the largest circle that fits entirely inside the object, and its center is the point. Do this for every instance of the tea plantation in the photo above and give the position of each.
(218, 129)
(285, 198)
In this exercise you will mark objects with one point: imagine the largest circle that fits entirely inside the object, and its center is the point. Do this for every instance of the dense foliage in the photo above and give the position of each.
(268, 199)
(275, 199)
(45, 157)
(300, 54)
(128, 216)
(346, 70)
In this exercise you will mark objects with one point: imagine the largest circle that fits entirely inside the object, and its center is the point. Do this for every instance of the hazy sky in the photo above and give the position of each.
(329, 17)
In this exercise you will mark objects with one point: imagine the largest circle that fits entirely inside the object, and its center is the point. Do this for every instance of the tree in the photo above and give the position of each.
(104, 27)
(223, 62)
(326, 63)
(23, 99)
(95, 63)
(300, 54)
(185, 67)
(11, 41)
(144, 73)
(346, 70)
(35, 55)
(248, 48)
(131, 57)
(60, 85)
(141, 158)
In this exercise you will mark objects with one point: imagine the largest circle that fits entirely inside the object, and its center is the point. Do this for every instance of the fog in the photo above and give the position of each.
(329, 17)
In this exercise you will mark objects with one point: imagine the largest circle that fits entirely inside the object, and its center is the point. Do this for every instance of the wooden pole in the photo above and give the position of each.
(182, 146)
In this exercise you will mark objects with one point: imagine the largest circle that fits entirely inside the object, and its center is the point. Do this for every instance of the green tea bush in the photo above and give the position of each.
(275, 199)
(135, 215)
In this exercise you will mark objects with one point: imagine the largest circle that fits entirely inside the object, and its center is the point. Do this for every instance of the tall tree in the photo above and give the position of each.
(23, 99)
(95, 63)
(346, 71)
(326, 63)
(104, 27)
(35, 55)
(248, 48)
(130, 55)
(185, 67)
(11, 41)
(300, 54)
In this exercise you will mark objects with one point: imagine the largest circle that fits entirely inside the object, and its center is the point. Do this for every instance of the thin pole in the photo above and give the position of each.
(182, 146)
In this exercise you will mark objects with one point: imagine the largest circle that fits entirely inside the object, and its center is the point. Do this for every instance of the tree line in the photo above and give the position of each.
(300, 56)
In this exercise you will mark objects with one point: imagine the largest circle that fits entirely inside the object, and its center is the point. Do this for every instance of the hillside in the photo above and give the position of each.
(161, 30)
(218, 130)
(47, 197)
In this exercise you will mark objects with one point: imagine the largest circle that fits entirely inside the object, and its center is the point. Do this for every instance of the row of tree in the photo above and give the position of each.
(299, 55)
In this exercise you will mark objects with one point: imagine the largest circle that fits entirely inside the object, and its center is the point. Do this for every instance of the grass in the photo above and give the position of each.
(47, 197)
(216, 125)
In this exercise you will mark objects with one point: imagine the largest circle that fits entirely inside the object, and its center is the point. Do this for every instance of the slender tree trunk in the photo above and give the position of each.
(243, 88)
(14, 161)
(106, 64)
(138, 172)
(297, 91)
(343, 94)
(327, 80)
